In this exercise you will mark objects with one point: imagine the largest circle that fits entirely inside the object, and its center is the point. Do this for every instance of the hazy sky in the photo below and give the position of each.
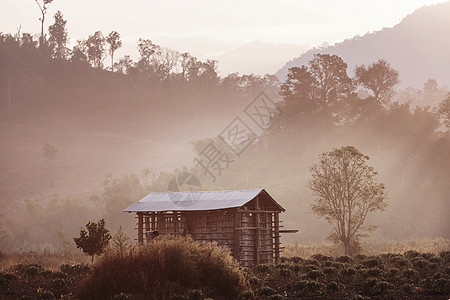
(208, 28)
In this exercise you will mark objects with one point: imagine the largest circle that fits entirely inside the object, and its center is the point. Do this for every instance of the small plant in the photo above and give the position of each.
(263, 268)
(247, 295)
(195, 295)
(407, 288)
(94, 240)
(315, 274)
(332, 286)
(348, 272)
(266, 291)
(44, 294)
(123, 296)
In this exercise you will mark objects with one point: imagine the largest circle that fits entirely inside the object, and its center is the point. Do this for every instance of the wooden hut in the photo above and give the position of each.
(247, 221)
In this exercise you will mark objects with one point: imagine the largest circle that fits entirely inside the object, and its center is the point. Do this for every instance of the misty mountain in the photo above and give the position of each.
(418, 47)
(257, 57)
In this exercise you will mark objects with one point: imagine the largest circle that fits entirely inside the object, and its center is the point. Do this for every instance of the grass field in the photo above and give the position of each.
(410, 269)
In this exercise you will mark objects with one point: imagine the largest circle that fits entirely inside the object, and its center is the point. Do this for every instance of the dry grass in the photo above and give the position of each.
(167, 267)
(370, 247)
(47, 261)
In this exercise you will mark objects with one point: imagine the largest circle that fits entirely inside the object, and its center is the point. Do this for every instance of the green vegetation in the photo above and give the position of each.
(95, 240)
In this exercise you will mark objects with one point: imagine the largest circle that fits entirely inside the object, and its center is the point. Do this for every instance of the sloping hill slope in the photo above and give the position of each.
(418, 47)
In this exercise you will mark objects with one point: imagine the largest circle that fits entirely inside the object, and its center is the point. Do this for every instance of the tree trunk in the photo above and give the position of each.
(9, 98)
(112, 61)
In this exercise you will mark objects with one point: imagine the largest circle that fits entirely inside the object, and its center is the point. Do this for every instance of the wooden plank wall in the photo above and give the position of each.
(252, 235)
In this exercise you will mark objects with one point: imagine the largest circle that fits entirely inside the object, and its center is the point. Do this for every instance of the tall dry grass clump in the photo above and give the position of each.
(163, 269)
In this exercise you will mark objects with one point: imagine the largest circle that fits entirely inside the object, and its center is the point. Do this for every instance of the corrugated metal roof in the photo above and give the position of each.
(194, 201)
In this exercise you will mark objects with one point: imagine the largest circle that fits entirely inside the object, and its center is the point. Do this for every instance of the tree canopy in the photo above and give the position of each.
(346, 190)
(380, 78)
(94, 240)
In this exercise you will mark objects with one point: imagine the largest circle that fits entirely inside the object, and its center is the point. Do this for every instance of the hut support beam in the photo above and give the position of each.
(277, 236)
(237, 240)
(140, 228)
(257, 232)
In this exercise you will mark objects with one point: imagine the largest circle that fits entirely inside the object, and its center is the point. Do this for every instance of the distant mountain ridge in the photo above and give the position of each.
(418, 47)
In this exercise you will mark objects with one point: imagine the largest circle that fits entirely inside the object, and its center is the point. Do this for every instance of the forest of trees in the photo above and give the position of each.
(322, 107)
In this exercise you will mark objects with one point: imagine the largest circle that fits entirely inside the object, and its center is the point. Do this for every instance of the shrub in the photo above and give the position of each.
(344, 259)
(247, 295)
(410, 274)
(285, 272)
(44, 294)
(266, 291)
(393, 272)
(300, 285)
(407, 288)
(296, 268)
(282, 266)
(348, 272)
(411, 254)
(321, 257)
(373, 272)
(314, 262)
(312, 287)
(372, 286)
(123, 296)
(419, 263)
(296, 259)
(166, 265)
(309, 268)
(332, 286)
(371, 263)
(195, 295)
(315, 274)
(6, 278)
(361, 256)
(330, 271)
(262, 268)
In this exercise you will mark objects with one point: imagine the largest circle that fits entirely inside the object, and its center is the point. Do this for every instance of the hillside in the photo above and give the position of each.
(418, 47)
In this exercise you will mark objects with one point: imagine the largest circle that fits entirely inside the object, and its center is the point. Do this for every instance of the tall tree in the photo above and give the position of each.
(320, 85)
(346, 190)
(95, 48)
(380, 78)
(95, 240)
(330, 78)
(113, 39)
(43, 6)
(444, 111)
(58, 36)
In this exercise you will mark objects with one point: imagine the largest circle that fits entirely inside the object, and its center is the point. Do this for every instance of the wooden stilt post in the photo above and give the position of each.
(140, 228)
(257, 232)
(153, 221)
(277, 236)
(237, 239)
(147, 224)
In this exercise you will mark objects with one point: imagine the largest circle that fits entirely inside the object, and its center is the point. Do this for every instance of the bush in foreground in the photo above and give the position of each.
(163, 268)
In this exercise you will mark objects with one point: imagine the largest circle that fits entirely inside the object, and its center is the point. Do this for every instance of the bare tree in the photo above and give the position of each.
(43, 6)
(346, 190)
